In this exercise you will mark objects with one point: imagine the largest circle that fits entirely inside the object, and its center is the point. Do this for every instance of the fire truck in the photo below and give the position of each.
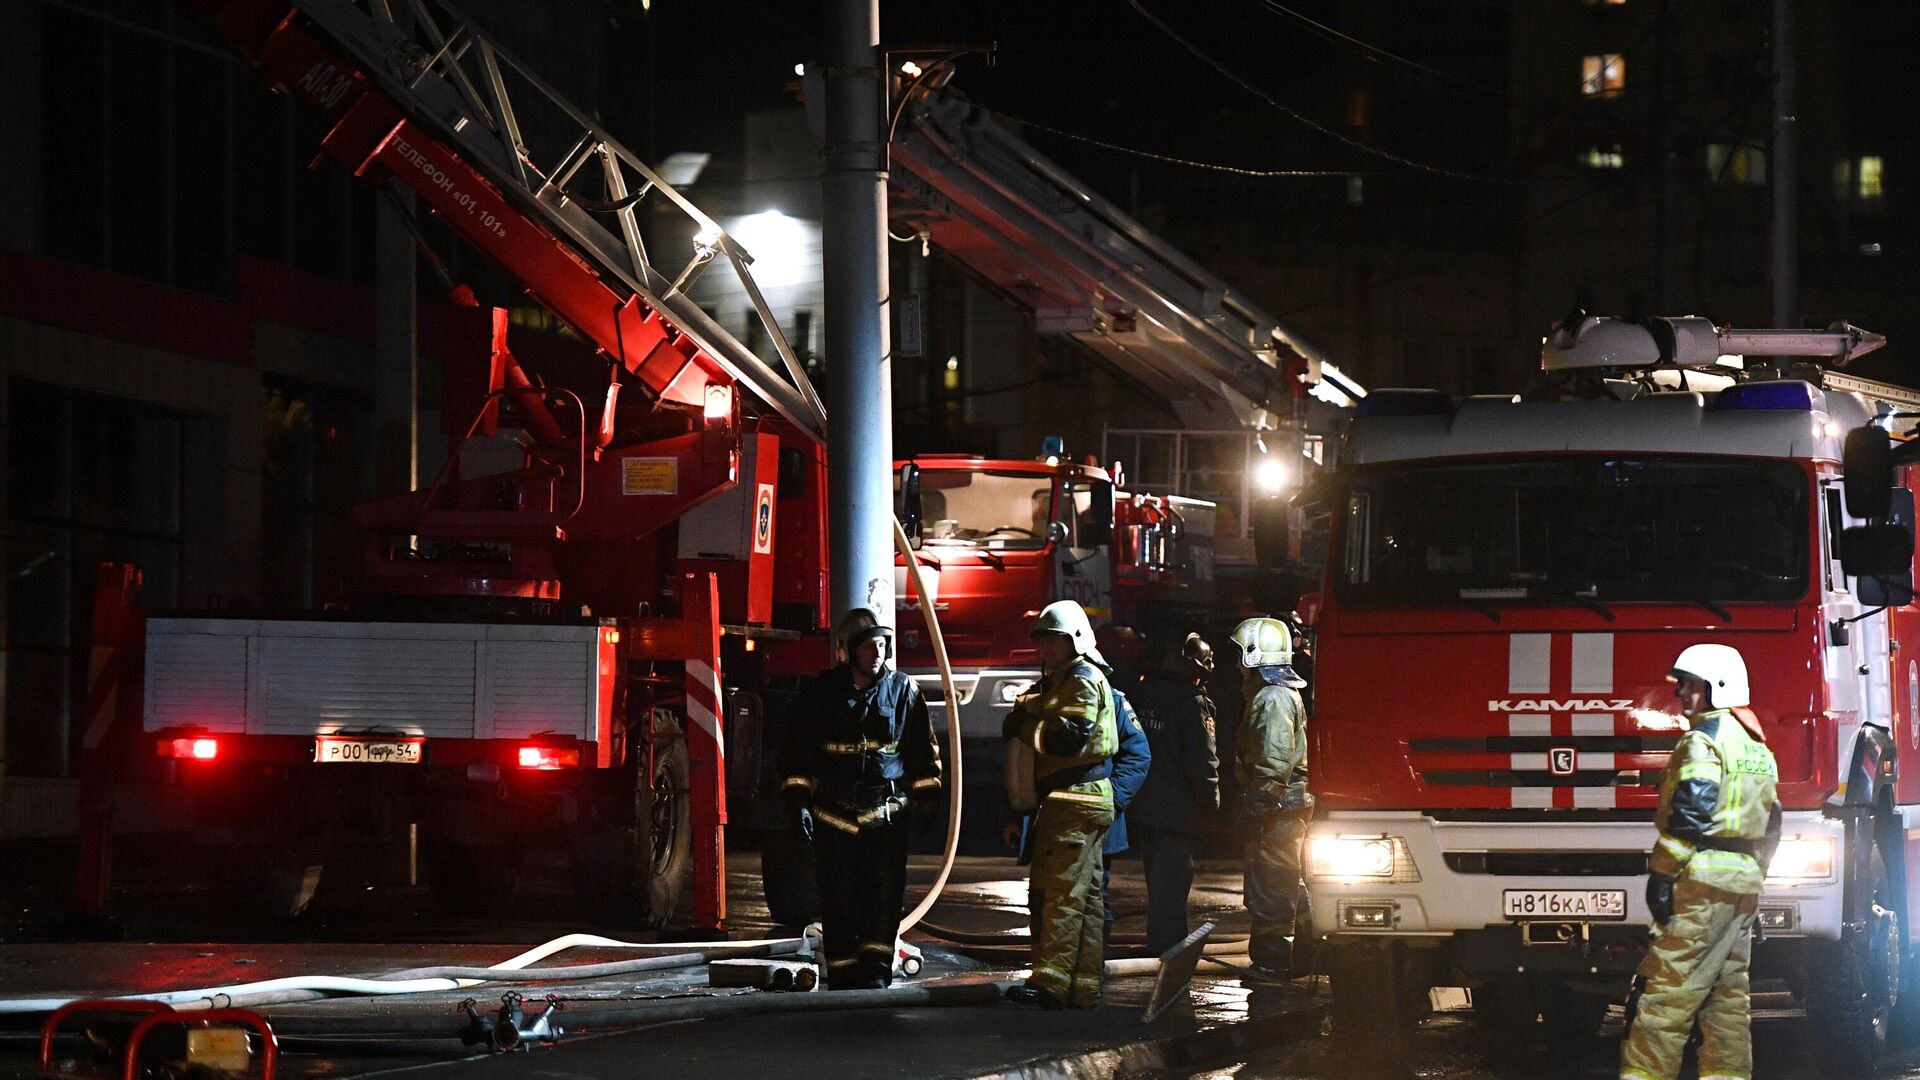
(533, 663)
(1510, 580)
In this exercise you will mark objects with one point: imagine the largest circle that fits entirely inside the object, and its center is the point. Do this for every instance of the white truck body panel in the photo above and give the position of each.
(437, 680)
(1444, 901)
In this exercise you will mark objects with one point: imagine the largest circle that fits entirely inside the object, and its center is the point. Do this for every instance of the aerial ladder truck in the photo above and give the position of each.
(534, 662)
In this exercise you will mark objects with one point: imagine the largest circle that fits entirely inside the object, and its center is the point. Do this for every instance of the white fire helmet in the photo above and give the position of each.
(857, 626)
(1721, 668)
(1264, 643)
(1069, 619)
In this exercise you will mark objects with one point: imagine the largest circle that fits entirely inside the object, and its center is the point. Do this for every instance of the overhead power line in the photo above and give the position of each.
(1374, 52)
(1275, 103)
(1210, 166)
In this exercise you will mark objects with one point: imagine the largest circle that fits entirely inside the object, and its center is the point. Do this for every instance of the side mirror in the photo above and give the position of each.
(907, 499)
(1880, 557)
(1867, 460)
(1097, 527)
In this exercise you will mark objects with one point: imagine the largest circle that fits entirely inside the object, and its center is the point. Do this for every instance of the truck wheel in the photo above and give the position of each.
(1570, 1015)
(465, 879)
(1370, 1018)
(786, 871)
(1853, 985)
(635, 853)
(1503, 1016)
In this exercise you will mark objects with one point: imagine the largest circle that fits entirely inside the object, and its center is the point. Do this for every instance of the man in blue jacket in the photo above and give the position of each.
(1182, 790)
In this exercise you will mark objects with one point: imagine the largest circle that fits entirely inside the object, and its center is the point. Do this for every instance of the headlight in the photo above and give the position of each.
(1009, 690)
(1802, 858)
(1359, 858)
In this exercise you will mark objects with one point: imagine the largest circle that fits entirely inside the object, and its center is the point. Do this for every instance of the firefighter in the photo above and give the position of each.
(1719, 823)
(1269, 761)
(1068, 720)
(859, 753)
(1183, 784)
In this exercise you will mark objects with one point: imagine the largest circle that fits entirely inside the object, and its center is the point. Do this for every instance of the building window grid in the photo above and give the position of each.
(1603, 75)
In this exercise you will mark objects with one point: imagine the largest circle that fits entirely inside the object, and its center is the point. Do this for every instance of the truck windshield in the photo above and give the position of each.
(966, 507)
(1581, 529)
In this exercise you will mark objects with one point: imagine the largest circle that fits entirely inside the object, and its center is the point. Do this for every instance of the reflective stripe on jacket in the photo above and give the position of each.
(1717, 804)
(1069, 722)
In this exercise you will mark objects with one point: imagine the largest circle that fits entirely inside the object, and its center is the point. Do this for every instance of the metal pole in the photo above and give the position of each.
(859, 367)
(1785, 171)
(396, 357)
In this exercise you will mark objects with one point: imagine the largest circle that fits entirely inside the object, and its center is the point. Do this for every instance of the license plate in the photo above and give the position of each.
(349, 750)
(1564, 903)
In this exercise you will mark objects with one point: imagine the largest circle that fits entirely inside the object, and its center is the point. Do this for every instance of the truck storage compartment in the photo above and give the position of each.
(438, 680)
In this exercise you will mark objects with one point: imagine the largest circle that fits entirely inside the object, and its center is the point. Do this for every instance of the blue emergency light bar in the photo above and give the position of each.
(1784, 394)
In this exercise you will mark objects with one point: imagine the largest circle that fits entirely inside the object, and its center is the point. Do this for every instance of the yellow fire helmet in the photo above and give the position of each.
(1263, 643)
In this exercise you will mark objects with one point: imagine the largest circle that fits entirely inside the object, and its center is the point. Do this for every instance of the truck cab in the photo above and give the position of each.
(1508, 584)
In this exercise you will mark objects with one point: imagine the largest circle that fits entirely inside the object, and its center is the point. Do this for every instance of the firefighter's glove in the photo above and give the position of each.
(1660, 898)
(1010, 727)
(799, 812)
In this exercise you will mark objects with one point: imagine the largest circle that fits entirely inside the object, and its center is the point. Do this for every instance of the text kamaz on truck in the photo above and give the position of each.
(1508, 583)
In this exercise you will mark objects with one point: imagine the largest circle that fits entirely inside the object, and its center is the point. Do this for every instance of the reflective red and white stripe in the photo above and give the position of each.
(703, 703)
(1590, 674)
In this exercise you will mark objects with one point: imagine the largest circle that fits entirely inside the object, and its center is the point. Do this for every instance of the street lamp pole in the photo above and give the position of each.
(858, 360)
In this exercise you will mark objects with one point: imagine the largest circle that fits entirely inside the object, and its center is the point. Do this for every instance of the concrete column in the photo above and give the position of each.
(859, 367)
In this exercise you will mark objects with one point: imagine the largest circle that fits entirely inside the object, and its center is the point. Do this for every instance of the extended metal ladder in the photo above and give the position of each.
(416, 88)
(1092, 272)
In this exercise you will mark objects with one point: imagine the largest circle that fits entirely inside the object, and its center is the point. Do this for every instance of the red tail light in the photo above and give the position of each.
(533, 756)
(196, 748)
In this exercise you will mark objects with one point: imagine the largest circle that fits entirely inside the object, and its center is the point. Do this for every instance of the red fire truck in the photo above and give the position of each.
(1509, 581)
(533, 664)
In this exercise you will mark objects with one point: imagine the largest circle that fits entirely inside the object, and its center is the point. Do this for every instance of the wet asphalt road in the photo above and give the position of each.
(1449, 1046)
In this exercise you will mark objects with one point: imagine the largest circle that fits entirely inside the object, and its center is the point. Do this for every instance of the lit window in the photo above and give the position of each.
(1869, 174)
(1596, 158)
(1604, 75)
(1729, 164)
(1605, 3)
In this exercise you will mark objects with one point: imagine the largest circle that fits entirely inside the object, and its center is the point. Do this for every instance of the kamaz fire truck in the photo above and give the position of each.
(1509, 581)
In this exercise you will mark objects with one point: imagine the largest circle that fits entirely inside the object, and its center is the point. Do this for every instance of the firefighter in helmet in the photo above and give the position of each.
(1719, 822)
(1270, 762)
(1068, 721)
(859, 753)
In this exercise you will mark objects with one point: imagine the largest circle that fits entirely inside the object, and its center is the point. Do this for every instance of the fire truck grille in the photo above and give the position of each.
(1548, 863)
(1579, 761)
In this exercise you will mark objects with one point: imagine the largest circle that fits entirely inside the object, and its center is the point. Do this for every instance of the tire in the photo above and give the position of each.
(467, 878)
(1571, 1016)
(1370, 1017)
(1503, 1019)
(634, 854)
(271, 870)
(786, 871)
(1853, 986)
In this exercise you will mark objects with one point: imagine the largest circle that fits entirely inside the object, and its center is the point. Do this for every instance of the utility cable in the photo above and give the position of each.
(1269, 99)
(1234, 170)
(1482, 93)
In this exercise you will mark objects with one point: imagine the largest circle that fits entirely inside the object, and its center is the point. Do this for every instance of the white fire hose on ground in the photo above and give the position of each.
(667, 955)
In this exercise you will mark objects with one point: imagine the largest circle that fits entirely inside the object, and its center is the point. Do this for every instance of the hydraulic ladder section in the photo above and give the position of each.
(417, 91)
(1090, 271)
